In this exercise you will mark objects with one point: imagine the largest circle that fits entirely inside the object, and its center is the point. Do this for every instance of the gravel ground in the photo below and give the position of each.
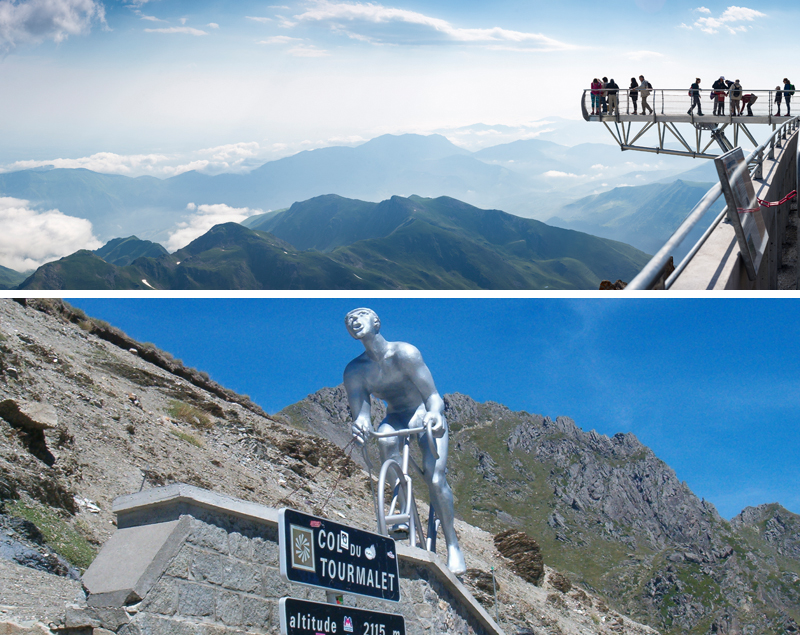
(29, 595)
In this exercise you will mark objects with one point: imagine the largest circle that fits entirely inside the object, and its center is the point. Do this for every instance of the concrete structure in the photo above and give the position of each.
(186, 561)
(717, 265)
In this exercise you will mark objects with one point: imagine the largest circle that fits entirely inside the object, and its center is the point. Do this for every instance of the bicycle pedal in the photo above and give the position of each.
(399, 532)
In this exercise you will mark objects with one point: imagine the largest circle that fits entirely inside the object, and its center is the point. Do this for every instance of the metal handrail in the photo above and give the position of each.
(652, 270)
(675, 101)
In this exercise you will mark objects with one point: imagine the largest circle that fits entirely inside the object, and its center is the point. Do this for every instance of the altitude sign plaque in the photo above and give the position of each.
(321, 553)
(302, 617)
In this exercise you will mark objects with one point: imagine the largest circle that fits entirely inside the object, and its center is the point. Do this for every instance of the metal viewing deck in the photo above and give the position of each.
(670, 108)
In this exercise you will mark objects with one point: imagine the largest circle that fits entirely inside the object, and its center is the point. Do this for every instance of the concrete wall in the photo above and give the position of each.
(185, 561)
(717, 265)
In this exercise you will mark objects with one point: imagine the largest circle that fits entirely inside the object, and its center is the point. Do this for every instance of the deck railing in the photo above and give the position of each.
(654, 270)
(677, 101)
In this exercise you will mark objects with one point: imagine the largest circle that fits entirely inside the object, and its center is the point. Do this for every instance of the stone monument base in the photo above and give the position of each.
(186, 561)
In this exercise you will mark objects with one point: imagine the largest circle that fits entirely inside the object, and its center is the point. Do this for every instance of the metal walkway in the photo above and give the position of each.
(670, 109)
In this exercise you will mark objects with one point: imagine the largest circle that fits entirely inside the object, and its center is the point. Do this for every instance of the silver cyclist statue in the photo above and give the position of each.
(396, 373)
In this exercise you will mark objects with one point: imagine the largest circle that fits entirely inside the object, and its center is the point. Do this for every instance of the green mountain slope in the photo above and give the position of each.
(123, 251)
(644, 216)
(611, 514)
(83, 270)
(412, 243)
(9, 278)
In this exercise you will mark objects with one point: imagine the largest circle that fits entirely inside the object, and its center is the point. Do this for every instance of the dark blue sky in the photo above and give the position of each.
(710, 385)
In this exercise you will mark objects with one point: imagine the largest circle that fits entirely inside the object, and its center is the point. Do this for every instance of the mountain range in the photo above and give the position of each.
(331, 242)
(609, 513)
(529, 178)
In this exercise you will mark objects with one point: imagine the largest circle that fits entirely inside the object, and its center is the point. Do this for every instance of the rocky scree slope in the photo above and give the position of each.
(90, 414)
(612, 515)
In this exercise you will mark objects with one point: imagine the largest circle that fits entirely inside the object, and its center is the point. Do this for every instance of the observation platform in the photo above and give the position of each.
(669, 110)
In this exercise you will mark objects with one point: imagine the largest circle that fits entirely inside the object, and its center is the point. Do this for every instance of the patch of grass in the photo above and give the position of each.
(187, 413)
(58, 534)
(184, 436)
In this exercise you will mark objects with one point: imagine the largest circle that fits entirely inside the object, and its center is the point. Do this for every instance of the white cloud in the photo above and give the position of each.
(372, 13)
(178, 29)
(560, 175)
(213, 25)
(703, 10)
(683, 25)
(106, 162)
(232, 152)
(31, 238)
(728, 20)
(258, 19)
(183, 20)
(150, 18)
(232, 157)
(34, 21)
(203, 219)
(640, 55)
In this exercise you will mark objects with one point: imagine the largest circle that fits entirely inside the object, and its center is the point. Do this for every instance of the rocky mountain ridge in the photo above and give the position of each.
(611, 514)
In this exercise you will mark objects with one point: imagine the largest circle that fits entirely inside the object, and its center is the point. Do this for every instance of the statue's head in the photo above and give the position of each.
(361, 322)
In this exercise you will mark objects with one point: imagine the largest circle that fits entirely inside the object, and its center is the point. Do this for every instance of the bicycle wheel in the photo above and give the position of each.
(388, 514)
(402, 508)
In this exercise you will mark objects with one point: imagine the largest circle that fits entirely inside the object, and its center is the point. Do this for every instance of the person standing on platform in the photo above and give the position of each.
(633, 92)
(604, 96)
(736, 98)
(597, 88)
(720, 91)
(644, 89)
(788, 91)
(613, 104)
(694, 91)
(778, 98)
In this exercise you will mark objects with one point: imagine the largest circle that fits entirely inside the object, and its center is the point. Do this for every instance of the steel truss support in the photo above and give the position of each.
(627, 139)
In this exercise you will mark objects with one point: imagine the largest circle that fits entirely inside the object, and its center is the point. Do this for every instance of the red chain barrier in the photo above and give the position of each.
(764, 203)
(788, 197)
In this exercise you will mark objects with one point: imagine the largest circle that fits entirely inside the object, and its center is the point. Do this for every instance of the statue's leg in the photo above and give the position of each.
(435, 472)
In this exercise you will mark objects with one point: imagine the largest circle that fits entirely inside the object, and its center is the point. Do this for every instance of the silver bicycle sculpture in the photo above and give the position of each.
(399, 516)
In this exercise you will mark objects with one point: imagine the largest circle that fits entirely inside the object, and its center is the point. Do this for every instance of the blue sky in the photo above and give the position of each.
(710, 385)
(162, 86)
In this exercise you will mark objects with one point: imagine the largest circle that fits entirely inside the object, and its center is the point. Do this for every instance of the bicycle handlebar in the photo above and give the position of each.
(407, 432)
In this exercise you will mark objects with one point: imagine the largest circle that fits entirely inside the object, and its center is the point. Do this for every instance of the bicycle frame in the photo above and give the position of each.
(403, 489)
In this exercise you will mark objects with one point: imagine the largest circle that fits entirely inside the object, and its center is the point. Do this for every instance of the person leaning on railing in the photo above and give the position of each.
(694, 93)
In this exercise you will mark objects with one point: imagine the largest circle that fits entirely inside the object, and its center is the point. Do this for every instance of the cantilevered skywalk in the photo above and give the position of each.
(701, 135)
